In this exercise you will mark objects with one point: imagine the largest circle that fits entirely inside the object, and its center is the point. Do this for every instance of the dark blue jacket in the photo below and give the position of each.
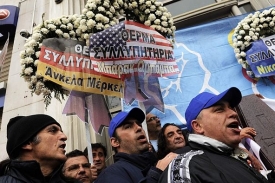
(29, 172)
(131, 169)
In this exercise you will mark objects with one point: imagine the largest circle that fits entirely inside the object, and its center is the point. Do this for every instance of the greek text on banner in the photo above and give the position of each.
(130, 47)
(61, 63)
(260, 57)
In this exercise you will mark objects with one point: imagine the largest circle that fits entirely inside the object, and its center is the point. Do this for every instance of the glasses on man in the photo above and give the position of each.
(152, 118)
(77, 167)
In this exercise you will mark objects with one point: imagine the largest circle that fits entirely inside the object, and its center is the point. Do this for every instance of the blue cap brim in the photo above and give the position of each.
(135, 113)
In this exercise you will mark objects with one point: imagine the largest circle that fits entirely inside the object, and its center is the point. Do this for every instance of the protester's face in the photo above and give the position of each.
(78, 168)
(131, 138)
(220, 122)
(51, 145)
(99, 159)
(153, 123)
(174, 138)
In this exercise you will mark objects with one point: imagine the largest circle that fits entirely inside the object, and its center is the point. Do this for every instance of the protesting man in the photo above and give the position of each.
(170, 138)
(99, 156)
(36, 147)
(212, 154)
(133, 162)
(77, 167)
(153, 127)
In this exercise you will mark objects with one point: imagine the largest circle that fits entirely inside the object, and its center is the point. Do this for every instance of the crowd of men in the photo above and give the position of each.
(208, 151)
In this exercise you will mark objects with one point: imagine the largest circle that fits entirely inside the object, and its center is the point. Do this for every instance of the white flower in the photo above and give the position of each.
(101, 9)
(134, 4)
(28, 71)
(83, 28)
(64, 20)
(58, 31)
(66, 35)
(148, 23)
(46, 91)
(242, 32)
(44, 31)
(248, 38)
(86, 36)
(37, 54)
(36, 36)
(91, 23)
(33, 79)
(52, 27)
(36, 62)
(173, 28)
(106, 20)
(106, 4)
(239, 43)
(236, 50)
(106, 26)
(240, 61)
(148, 3)
(113, 23)
(63, 26)
(141, 1)
(72, 33)
(164, 18)
(246, 27)
(90, 14)
(99, 26)
(147, 11)
(70, 26)
(159, 13)
(84, 11)
(158, 3)
(99, 17)
(165, 24)
(153, 8)
(157, 21)
(152, 17)
(246, 43)
(82, 22)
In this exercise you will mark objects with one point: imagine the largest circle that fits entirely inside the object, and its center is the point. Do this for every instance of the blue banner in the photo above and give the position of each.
(260, 57)
(206, 62)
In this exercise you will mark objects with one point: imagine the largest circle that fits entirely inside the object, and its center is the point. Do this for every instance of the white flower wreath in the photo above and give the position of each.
(252, 28)
(96, 16)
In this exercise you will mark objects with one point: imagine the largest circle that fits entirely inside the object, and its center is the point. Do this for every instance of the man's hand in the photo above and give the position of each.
(163, 163)
(248, 132)
(93, 173)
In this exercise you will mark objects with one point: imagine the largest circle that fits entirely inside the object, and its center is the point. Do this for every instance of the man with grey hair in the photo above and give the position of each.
(213, 153)
(36, 148)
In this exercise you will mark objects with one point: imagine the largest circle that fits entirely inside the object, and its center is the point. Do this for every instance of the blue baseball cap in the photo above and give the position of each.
(205, 100)
(135, 113)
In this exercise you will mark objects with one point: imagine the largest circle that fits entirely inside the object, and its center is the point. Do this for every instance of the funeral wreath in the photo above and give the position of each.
(252, 28)
(97, 15)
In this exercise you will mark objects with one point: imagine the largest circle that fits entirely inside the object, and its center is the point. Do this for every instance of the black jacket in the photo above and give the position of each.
(131, 169)
(206, 160)
(29, 172)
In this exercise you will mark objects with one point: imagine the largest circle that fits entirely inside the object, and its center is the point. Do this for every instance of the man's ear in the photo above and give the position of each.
(197, 127)
(27, 146)
(114, 142)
